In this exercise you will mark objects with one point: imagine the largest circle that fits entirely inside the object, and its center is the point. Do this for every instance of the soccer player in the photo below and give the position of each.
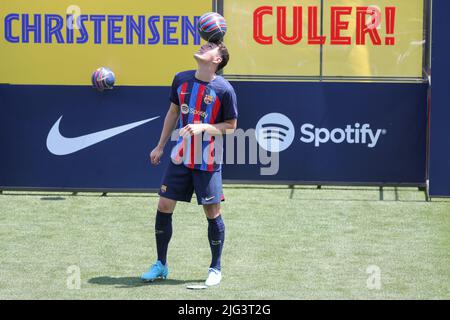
(204, 105)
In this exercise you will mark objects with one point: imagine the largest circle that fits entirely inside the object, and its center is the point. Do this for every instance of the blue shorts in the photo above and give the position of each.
(180, 182)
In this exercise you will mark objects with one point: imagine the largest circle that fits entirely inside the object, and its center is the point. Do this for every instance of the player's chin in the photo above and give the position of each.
(199, 56)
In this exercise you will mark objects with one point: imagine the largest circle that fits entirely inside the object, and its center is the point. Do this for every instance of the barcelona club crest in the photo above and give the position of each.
(208, 99)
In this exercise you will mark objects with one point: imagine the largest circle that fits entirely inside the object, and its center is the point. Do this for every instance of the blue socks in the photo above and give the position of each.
(216, 237)
(163, 233)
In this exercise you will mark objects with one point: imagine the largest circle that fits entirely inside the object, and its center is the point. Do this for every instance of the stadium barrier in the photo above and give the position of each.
(345, 82)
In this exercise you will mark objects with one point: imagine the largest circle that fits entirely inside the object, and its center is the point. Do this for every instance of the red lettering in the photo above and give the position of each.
(390, 25)
(367, 22)
(363, 28)
(297, 26)
(337, 25)
(313, 22)
(258, 25)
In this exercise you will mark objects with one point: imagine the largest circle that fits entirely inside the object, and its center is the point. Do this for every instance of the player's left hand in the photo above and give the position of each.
(192, 130)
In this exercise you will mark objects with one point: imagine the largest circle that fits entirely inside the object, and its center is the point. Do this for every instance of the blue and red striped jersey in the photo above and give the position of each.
(201, 102)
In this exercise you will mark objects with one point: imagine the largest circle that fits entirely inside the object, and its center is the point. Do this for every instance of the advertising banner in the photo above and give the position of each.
(314, 39)
(376, 137)
(62, 42)
(311, 108)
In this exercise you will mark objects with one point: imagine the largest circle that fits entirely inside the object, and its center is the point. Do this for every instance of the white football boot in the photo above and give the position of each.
(214, 277)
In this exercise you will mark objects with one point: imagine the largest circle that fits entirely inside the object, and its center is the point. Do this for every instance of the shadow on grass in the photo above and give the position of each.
(53, 198)
(135, 282)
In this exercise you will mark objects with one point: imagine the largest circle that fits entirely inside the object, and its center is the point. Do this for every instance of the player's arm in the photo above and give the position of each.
(226, 127)
(169, 125)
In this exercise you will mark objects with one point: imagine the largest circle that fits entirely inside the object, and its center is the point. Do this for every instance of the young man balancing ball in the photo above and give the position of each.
(204, 106)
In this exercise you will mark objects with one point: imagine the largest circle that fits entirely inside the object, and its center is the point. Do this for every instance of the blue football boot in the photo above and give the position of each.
(158, 270)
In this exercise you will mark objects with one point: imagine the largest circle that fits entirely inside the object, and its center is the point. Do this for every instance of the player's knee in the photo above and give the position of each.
(166, 205)
(212, 211)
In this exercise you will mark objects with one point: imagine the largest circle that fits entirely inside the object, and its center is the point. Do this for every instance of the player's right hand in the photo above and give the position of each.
(155, 155)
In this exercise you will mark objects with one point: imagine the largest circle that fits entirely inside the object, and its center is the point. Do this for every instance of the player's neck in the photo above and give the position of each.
(206, 73)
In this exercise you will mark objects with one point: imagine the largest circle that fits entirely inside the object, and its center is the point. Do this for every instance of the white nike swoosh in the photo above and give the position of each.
(210, 198)
(60, 145)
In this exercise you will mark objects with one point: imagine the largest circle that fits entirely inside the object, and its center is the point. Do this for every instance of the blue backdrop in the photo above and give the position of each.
(28, 113)
(399, 109)
(439, 161)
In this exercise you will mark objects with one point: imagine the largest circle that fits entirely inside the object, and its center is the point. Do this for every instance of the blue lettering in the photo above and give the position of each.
(113, 29)
(139, 29)
(27, 28)
(98, 19)
(187, 27)
(51, 30)
(84, 36)
(153, 29)
(69, 30)
(8, 27)
(121, 29)
(168, 29)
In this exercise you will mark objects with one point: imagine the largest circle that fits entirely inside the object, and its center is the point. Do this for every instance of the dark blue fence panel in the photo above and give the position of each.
(440, 114)
(396, 111)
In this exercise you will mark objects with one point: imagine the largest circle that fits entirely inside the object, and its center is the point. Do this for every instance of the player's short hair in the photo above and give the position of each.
(224, 54)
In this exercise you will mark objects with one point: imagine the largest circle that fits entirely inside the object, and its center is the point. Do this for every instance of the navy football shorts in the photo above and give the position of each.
(180, 182)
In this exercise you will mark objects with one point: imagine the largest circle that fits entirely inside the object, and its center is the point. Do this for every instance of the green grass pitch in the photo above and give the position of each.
(280, 244)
